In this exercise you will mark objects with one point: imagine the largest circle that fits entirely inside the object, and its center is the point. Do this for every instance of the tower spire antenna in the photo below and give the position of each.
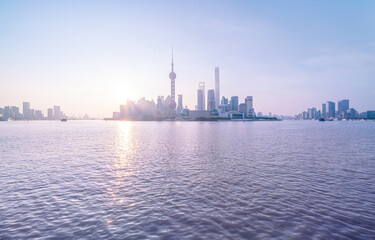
(172, 59)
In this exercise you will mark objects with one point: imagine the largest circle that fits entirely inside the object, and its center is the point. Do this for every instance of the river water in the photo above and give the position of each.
(187, 180)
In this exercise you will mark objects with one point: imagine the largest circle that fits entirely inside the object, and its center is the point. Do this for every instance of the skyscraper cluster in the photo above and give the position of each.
(329, 111)
(13, 113)
(225, 108)
(209, 103)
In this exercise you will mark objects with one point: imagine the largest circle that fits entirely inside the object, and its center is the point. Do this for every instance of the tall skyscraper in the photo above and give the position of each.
(26, 110)
(179, 106)
(324, 110)
(201, 101)
(201, 96)
(172, 104)
(312, 113)
(249, 102)
(331, 109)
(210, 99)
(234, 103)
(217, 87)
(250, 106)
(343, 106)
(180, 100)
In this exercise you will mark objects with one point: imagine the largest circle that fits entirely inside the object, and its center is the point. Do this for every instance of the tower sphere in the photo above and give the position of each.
(172, 75)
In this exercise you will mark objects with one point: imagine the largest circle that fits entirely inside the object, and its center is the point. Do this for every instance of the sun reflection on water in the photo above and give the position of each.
(122, 166)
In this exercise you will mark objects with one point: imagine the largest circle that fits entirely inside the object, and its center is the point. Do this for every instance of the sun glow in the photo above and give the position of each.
(124, 93)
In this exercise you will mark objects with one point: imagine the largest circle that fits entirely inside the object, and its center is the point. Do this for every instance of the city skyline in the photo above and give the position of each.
(91, 63)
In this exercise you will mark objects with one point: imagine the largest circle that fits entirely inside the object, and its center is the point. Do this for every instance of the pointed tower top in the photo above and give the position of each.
(172, 75)
(172, 60)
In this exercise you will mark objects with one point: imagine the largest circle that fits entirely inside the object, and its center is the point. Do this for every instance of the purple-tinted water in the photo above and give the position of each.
(187, 180)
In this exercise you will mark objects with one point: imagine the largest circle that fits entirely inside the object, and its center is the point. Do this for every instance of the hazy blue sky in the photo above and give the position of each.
(90, 56)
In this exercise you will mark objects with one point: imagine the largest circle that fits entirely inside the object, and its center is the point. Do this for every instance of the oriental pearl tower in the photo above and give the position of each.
(172, 105)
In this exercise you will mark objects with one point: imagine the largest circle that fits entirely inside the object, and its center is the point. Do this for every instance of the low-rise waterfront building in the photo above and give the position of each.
(370, 114)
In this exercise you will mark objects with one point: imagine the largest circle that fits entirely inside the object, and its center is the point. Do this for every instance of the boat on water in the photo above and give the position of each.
(325, 119)
(64, 120)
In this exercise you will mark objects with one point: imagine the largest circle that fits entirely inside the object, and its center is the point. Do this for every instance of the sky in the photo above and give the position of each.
(90, 56)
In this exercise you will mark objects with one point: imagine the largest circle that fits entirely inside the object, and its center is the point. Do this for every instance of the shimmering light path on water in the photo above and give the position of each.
(193, 180)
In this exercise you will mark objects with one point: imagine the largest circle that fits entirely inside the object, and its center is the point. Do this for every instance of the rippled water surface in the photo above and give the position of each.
(187, 180)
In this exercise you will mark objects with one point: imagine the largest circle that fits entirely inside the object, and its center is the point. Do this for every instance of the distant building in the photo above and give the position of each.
(318, 114)
(343, 105)
(200, 100)
(32, 114)
(304, 115)
(50, 113)
(249, 106)
(6, 112)
(210, 99)
(342, 108)
(217, 87)
(236, 115)
(351, 113)
(15, 112)
(224, 108)
(201, 96)
(249, 102)
(179, 106)
(160, 106)
(26, 110)
(194, 114)
(39, 115)
(116, 115)
(324, 110)
(224, 101)
(56, 112)
(363, 115)
(243, 108)
(126, 111)
(370, 114)
(260, 114)
(330, 109)
(234, 103)
(312, 113)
